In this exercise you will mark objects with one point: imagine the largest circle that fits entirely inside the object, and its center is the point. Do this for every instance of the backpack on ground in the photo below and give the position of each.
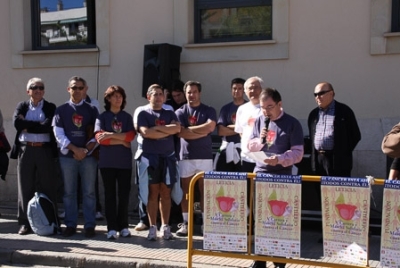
(42, 215)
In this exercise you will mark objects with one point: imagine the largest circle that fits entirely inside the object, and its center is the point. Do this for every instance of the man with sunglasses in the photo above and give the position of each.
(35, 148)
(70, 123)
(334, 134)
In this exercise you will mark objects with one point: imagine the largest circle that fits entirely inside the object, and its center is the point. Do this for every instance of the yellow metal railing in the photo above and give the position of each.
(248, 255)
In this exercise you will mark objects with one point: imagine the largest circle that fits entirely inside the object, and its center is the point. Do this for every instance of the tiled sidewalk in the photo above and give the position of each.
(136, 251)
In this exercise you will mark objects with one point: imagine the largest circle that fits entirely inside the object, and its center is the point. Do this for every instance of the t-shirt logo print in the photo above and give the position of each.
(160, 122)
(271, 137)
(116, 126)
(192, 120)
(250, 121)
(233, 118)
(77, 120)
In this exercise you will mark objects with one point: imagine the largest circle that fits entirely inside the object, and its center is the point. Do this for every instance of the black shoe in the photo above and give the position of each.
(24, 230)
(279, 265)
(90, 232)
(69, 231)
(259, 264)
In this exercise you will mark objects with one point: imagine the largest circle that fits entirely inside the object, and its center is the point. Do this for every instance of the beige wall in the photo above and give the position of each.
(341, 41)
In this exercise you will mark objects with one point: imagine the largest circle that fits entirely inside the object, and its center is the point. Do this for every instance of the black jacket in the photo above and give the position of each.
(33, 126)
(346, 136)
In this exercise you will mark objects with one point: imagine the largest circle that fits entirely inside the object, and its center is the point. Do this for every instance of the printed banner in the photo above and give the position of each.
(345, 218)
(390, 236)
(225, 211)
(277, 215)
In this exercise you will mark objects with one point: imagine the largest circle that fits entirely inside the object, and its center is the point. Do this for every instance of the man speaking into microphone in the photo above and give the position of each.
(280, 136)
(282, 139)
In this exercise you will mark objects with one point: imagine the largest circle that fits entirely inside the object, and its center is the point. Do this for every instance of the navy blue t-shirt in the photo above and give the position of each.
(193, 116)
(150, 118)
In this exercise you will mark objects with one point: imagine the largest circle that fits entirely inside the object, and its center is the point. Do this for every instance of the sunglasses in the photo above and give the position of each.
(321, 93)
(36, 87)
(75, 88)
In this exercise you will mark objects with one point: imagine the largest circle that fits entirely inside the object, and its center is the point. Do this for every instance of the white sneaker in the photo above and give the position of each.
(99, 216)
(183, 229)
(125, 232)
(165, 232)
(141, 227)
(152, 236)
(111, 235)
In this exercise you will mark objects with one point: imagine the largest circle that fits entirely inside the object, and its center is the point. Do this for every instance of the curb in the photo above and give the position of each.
(61, 259)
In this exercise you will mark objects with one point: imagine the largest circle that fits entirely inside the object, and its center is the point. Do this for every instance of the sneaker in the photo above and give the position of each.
(165, 232)
(111, 235)
(125, 232)
(183, 229)
(99, 216)
(141, 227)
(152, 236)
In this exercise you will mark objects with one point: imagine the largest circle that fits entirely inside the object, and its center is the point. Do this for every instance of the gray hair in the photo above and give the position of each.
(259, 79)
(34, 80)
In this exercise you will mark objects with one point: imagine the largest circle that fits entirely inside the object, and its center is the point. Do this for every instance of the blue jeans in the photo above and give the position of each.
(87, 169)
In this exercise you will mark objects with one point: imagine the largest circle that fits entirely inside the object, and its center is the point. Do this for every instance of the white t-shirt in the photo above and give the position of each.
(246, 115)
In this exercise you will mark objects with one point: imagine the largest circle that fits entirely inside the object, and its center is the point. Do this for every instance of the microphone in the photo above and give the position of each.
(264, 139)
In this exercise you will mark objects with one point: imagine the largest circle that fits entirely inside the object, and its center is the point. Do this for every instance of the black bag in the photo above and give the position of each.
(4, 161)
(4, 144)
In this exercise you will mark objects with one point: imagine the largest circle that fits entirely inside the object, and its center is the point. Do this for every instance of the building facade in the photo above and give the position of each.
(351, 44)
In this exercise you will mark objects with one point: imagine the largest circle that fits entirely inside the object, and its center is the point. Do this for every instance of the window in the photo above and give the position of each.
(385, 27)
(63, 24)
(25, 55)
(232, 20)
(395, 16)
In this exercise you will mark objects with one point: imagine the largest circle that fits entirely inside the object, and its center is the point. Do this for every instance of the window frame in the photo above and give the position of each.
(199, 5)
(23, 56)
(36, 27)
(395, 27)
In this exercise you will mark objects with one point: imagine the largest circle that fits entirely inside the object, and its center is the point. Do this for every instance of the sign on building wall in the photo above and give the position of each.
(345, 218)
(277, 215)
(225, 211)
(390, 236)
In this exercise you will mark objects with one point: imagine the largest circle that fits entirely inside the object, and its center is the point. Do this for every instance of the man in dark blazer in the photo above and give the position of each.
(35, 148)
(334, 134)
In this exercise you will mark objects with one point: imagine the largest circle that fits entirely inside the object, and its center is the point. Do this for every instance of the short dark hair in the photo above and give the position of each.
(271, 93)
(77, 79)
(111, 90)
(237, 80)
(177, 85)
(192, 83)
(152, 88)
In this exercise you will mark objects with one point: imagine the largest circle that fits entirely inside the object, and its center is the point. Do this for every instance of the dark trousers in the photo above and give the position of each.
(231, 166)
(117, 186)
(36, 173)
(324, 167)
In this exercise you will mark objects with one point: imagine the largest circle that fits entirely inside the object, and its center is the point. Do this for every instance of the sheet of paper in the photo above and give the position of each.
(259, 156)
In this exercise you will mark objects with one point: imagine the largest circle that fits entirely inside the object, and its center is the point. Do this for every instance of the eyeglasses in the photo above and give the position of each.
(321, 93)
(36, 87)
(269, 107)
(75, 88)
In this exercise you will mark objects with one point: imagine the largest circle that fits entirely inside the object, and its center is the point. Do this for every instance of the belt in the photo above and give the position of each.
(324, 152)
(34, 144)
